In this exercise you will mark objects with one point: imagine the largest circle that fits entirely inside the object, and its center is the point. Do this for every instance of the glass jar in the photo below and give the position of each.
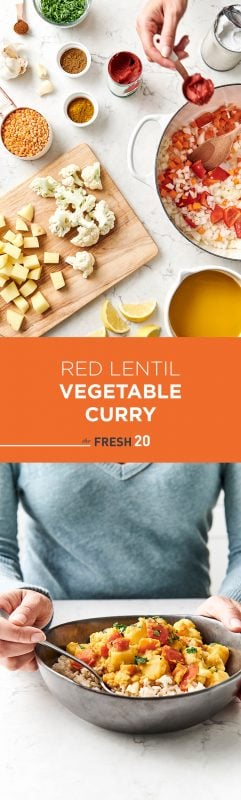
(221, 48)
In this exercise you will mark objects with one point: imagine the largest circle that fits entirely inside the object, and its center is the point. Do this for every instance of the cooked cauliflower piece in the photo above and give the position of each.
(91, 176)
(104, 216)
(45, 187)
(83, 261)
(60, 223)
(70, 176)
(88, 233)
(69, 197)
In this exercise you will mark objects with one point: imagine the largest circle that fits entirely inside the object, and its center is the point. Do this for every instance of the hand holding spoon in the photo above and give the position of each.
(78, 661)
(196, 89)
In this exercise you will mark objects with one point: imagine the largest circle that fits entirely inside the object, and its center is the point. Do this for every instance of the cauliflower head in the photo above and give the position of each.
(66, 197)
(70, 176)
(91, 176)
(45, 187)
(88, 233)
(82, 261)
(104, 216)
(60, 223)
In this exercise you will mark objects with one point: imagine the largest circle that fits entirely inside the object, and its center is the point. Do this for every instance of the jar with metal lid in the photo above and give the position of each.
(221, 48)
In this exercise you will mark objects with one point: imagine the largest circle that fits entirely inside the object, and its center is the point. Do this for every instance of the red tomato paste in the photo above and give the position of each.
(198, 90)
(125, 67)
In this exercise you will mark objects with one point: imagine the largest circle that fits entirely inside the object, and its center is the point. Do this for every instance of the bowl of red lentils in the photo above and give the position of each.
(74, 59)
(26, 133)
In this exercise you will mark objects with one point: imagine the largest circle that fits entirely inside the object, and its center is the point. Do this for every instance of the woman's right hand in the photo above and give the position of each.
(28, 612)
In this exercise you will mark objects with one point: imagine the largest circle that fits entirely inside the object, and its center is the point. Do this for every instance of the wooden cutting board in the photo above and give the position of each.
(124, 250)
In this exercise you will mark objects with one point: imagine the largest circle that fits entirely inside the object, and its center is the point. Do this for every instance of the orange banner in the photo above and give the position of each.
(120, 400)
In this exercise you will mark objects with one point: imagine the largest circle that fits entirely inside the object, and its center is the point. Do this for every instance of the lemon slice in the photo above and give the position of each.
(99, 334)
(138, 312)
(112, 320)
(148, 330)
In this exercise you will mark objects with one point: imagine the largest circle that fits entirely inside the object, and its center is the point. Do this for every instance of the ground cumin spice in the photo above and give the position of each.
(21, 27)
(73, 60)
(25, 132)
(80, 109)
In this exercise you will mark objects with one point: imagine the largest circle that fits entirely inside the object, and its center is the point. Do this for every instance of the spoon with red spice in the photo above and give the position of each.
(21, 26)
(196, 89)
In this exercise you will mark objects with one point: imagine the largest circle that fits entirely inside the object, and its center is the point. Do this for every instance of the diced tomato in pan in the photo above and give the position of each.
(185, 201)
(158, 632)
(217, 214)
(190, 676)
(204, 119)
(121, 644)
(115, 635)
(199, 169)
(237, 226)
(87, 656)
(104, 651)
(173, 655)
(231, 215)
(219, 174)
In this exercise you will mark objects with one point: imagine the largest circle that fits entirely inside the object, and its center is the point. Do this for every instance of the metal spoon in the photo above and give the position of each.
(79, 661)
(233, 15)
(215, 150)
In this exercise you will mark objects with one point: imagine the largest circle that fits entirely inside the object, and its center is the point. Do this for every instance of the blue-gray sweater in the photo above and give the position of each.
(106, 530)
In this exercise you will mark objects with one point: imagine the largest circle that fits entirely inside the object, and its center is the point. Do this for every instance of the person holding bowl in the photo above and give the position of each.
(107, 531)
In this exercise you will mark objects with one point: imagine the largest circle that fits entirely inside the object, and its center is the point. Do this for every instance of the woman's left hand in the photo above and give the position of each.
(224, 609)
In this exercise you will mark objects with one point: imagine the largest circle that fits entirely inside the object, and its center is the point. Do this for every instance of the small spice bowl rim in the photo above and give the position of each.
(77, 46)
(44, 150)
(74, 97)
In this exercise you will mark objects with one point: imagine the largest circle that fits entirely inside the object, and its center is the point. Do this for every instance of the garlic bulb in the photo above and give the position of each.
(11, 64)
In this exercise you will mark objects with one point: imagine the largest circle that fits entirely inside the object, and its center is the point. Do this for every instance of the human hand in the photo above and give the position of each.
(226, 611)
(28, 612)
(162, 16)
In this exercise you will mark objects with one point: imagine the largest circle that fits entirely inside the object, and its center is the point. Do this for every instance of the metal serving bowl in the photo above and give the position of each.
(37, 6)
(135, 714)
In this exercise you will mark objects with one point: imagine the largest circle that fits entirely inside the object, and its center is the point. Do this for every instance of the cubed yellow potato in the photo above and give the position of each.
(147, 643)
(179, 672)
(2, 281)
(57, 279)
(19, 273)
(30, 261)
(203, 673)
(28, 288)
(21, 304)
(2, 221)
(12, 250)
(216, 677)
(10, 292)
(14, 319)
(3, 260)
(35, 274)
(37, 230)
(136, 632)
(117, 658)
(51, 258)
(9, 236)
(155, 668)
(18, 241)
(216, 652)
(71, 647)
(39, 303)
(27, 212)
(20, 225)
(6, 272)
(1, 245)
(30, 242)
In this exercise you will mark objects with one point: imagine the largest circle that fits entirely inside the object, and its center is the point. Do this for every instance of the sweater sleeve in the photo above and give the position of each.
(11, 576)
(231, 585)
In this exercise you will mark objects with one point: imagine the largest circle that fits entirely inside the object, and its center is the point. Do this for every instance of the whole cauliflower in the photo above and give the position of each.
(83, 261)
(104, 216)
(88, 233)
(70, 176)
(45, 187)
(91, 176)
(60, 223)
(66, 197)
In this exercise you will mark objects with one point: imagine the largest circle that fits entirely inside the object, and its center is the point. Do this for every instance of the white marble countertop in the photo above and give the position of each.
(46, 751)
(111, 27)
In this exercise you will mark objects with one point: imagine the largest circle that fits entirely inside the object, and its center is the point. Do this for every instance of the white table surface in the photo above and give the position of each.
(111, 27)
(45, 751)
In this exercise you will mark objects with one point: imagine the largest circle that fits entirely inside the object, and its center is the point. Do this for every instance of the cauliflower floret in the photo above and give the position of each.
(91, 176)
(88, 233)
(70, 176)
(69, 197)
(83, 261)
(45, 187)
(60, 223)
(104, 216)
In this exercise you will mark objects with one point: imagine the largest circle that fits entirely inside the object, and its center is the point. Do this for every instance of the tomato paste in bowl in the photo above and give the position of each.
(124, 73)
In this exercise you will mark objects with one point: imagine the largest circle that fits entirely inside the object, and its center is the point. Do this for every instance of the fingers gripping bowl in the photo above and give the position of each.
(204, 208)
(134, 714)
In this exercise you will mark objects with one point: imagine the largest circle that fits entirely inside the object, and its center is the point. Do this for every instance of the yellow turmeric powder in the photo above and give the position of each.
(80, 109)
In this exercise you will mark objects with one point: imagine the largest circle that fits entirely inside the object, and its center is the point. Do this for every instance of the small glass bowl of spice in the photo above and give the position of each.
(81, 109)
(74, 59)
(26, 133)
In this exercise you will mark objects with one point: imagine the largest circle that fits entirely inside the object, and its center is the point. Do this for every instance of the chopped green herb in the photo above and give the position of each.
(172, 638)
(191, 649)
(120, 627)
(61, 11)
(140, 660)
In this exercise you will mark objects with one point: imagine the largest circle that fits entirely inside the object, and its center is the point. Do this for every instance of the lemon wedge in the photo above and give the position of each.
(138, 312)
(148, 330)
(112, 320)
(99, 334)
